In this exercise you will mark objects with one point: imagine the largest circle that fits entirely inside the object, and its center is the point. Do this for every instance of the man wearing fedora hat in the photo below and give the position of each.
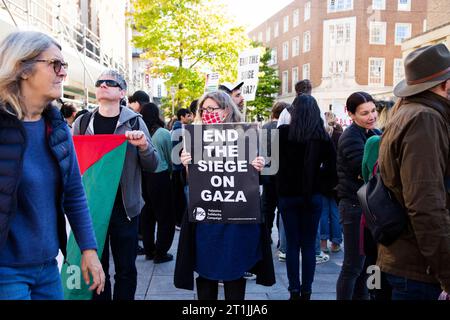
(415, 165)
(234, 91)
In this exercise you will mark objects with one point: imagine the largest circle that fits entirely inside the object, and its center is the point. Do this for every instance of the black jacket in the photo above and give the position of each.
(12, 148)
(349, 160)
(305, 168)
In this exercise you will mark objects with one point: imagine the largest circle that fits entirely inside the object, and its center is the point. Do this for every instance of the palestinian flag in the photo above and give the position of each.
(101, 159)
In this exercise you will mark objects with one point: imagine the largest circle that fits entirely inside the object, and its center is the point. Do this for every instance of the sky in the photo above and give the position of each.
(251, 13)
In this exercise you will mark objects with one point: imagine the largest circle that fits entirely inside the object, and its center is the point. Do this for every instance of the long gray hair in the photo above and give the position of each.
(16, 52)
(224, 101)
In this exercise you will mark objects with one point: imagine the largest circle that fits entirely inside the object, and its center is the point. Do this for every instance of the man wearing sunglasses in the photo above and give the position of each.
(111, 118)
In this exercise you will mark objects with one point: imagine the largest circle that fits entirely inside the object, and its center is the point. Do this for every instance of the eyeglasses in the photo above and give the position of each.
(109, 83)
(57, 64)
(210, 109)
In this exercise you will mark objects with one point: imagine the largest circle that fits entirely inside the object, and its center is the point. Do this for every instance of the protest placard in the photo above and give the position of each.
(223, 185)
(248, 69)
(212, 82)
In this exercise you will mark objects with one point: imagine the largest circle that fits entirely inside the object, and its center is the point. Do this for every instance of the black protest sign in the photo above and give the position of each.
(223, 185)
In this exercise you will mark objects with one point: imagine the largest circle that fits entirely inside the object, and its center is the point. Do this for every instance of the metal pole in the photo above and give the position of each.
(28, 4)
(10, 14)
(86, 90)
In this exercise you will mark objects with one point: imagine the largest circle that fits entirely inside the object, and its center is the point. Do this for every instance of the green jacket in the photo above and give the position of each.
(370, 157)
(415, 164)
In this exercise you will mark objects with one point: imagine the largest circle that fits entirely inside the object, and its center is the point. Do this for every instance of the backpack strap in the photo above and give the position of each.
(375, 168)
(84, 122)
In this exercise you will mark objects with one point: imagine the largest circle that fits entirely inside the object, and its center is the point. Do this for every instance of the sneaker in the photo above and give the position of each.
(324, 246)
(281, 256)
(322, 257)
(335, 247)
(140, 250)
(177, 227)
(249, 276)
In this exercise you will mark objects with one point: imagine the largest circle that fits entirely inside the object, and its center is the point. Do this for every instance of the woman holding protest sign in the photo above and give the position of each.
(307, 168)
(222, 252)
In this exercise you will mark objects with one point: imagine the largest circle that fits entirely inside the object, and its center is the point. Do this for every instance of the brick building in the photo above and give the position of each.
(342, 46)
(437, 27)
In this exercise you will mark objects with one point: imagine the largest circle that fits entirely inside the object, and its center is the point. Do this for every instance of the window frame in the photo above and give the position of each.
(383, 72)
(398, 24)
(383, 24)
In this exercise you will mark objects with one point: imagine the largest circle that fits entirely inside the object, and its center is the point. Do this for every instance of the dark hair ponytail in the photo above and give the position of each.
(306, 123)
(356, 99)
(150, 115)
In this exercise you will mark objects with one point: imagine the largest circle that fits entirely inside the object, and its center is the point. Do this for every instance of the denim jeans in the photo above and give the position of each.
(122, 234)
(317, 246)
(41, 282)
(300, 223)
(330, 227)
(351, 284)
(407, 289)
(281, 234)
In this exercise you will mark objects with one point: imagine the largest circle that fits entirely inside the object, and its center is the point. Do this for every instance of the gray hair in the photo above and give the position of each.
(17, 51)
(116, 75)
(224, 101)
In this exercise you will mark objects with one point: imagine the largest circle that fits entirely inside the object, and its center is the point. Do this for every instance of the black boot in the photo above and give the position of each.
(305, 295)
(207, 289)
(235, 290)
(294, 295)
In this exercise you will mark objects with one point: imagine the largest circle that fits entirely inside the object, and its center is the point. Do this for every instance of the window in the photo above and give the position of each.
(307, 13)
(285, 84)
(260, 37)
(306, 41)
(285, 50)
(273, 57)
(268, 34)
(295, 18)
(339, 67)
(339, 33)
(379, 4)
(295, 46)
(294, 78)
(339, 5)
(376, 72)
(399, 71)
(275, 29)
(404, 5)
(286, 24)
(377, 32)
(402, 32)
(306, 73)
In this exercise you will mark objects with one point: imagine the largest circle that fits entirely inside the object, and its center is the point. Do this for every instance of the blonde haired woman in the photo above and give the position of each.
(39, 175)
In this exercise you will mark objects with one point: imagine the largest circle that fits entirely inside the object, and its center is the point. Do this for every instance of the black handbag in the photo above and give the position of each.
(385, 217)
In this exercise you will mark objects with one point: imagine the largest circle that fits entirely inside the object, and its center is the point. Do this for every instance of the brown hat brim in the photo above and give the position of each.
(402, 89)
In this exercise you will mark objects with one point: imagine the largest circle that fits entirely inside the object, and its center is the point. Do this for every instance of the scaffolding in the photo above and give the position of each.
(48, 17)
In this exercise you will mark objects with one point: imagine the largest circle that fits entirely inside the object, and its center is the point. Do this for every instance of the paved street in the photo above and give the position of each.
(155, 282)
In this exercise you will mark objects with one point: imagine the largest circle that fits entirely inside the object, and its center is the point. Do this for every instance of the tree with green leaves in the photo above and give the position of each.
(268, 87)
(184, 39)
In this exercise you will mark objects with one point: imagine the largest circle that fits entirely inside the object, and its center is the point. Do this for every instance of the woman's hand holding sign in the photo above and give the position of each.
(185, 158)
(258, 163)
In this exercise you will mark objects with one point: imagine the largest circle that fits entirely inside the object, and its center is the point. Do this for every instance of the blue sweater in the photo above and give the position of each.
(33, 234)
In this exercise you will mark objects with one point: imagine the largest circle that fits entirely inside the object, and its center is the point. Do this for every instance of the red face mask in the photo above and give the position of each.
(211, 118)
